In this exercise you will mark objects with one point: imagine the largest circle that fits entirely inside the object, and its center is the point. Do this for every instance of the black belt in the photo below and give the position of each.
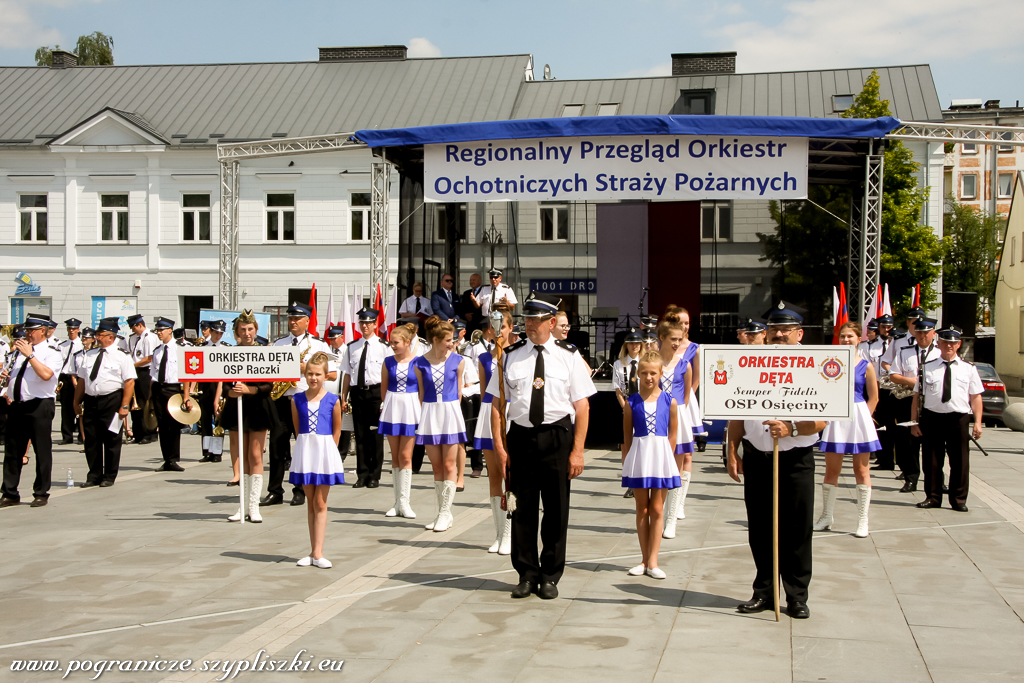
(368, 388)
(563, 423)
(98, 397)
(938, 414)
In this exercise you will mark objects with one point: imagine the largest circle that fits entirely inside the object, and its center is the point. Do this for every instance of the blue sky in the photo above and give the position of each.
(975, 51)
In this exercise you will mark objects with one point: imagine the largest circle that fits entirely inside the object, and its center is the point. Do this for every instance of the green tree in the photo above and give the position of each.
(971, 246)
(95, 49)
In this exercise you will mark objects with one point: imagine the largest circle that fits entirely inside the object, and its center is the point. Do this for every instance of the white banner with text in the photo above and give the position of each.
(238, 364)
(617, 168)
(777, 382)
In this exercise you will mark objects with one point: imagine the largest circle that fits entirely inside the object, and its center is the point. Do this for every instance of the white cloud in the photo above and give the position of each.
(19, 30)
(837, 33)
(421, 47)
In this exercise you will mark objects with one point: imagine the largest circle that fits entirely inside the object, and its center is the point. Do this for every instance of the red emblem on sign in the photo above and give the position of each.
(193, 363)
(721, 377)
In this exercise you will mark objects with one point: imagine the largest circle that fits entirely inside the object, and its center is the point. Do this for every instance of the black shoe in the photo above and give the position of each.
(798, 610)
(170, 466)
(372, 484)
(67, 442)
(415, 471)
(106, 484)
(235, 483)
(460, 489)
(8, 502)
(88, 484)
(628, 493)
(38, 502)
(945, 489)
(909, 486)
(901, 477)
(883, 467)
(929, 504)
(206, 458)
(270, 499)
(959, 507)
(523, 590)
(547, 591)
(359, 484)
(215, 458)
(298, 498)
(755, 605)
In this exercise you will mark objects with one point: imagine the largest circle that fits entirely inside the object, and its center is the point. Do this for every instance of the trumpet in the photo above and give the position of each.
(218, 430)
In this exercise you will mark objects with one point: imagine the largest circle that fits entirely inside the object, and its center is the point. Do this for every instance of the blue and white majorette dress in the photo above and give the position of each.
(692, 407)
(315, 458)
(483, 439)
(400, 415)
(674, 384)
(858, 435)
(649, 464)
(441, 421)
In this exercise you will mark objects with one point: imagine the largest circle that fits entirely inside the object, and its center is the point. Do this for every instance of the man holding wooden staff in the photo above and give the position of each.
(796, 489)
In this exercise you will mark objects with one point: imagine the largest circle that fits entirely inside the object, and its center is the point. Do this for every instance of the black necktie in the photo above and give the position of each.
(361, 374)
(947, 382)
(96, 367)
(18, 379)
(71, 347)
(537, 398)
(295, 341)
(163, 364)
(418, 304)
(632, 379)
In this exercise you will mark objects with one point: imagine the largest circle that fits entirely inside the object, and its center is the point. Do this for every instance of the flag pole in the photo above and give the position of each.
(775, 525)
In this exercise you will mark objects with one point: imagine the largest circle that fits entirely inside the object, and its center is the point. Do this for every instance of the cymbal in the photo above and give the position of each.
(185, 417)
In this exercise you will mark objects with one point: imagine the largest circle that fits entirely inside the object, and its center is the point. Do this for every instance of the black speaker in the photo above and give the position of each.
(581, 338)
(960, 309)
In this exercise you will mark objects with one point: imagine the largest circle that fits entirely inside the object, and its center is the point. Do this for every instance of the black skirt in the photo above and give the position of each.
(255, 409)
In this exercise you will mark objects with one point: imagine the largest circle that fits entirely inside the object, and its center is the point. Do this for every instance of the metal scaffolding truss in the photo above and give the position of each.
(280, 147)
(380, 183)
(864, 264)
(227, 277)
(955, 132)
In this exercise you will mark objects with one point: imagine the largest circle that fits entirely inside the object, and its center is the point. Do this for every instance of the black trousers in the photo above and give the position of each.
(471, 413)
(540, 471)
(170, 429)
(419, 451)
(143, 385)
(369, 442)
(343, 443)
(908, 446)
(68, 419)
(29, 421)
(281, 431)
(796, 512)
(206, 403)
(885, 414)
(102, 447)
(946, 435)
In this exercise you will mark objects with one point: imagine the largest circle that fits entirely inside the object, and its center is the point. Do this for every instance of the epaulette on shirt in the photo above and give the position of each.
(566, 345)
(281, 337)
(127, 353)
(349, 343)
(518, 345)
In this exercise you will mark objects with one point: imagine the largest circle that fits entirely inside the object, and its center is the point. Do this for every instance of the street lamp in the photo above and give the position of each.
(492, 236)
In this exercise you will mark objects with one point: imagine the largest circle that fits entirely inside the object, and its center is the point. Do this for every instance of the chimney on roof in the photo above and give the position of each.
(689, 63)
(368, 53)
(62, 59)
(991, 104)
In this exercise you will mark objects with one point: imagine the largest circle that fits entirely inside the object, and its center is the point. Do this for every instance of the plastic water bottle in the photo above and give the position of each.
(71, 480)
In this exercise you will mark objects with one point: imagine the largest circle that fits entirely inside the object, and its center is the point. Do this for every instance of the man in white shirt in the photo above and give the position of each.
(885, 413)
(796, 489)
(360, 389)
(67, 381)
(30, 396)
(213, 336)
(417, 305)
(494, 294)
(141, 344)
(51, 329)
(905, 371)
(106, 381)
(546, 387)
(166, 384)
(281, 434)
(946, 402)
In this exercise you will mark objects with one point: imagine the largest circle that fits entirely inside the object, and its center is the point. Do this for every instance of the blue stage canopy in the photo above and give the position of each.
(593, 126)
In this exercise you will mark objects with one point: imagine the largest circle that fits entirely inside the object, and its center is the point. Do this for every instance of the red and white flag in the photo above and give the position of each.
(391, 316)
(330, 310)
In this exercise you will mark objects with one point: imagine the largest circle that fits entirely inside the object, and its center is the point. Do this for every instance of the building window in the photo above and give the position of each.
(114, 217)
(842, 102)
(969, 186)
(698, 102)
(969, 147)
(1005, 184)
(554, 223)
(280, 217)
(1020, 332)
(443, 214)
(195, 217)
(608, 109)
(33, 217)
(1013, 249)
(572, 110)
(359, 216)
(1008, 135)
(715, 221)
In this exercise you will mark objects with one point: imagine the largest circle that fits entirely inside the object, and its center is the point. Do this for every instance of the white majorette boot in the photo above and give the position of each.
(828, 497)
(671, 505)
(255, 488)
(404, 507)
(496, 514)
(396, 484)
(438, 486)
(506, 534)
(238, 515)
(685, 476)
(863, 500)
(444, 515)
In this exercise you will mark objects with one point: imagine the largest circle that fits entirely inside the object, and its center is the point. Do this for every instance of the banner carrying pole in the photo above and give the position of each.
(775, 525)
(241, 464)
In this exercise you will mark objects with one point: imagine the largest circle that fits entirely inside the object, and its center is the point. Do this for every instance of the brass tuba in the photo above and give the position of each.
(280, 387)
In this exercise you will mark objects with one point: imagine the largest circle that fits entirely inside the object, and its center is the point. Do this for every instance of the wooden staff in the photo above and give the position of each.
(500, 368)
(775, 524)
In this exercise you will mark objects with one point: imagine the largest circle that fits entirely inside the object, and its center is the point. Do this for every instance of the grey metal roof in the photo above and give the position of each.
(255, 101)
(909, 89)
